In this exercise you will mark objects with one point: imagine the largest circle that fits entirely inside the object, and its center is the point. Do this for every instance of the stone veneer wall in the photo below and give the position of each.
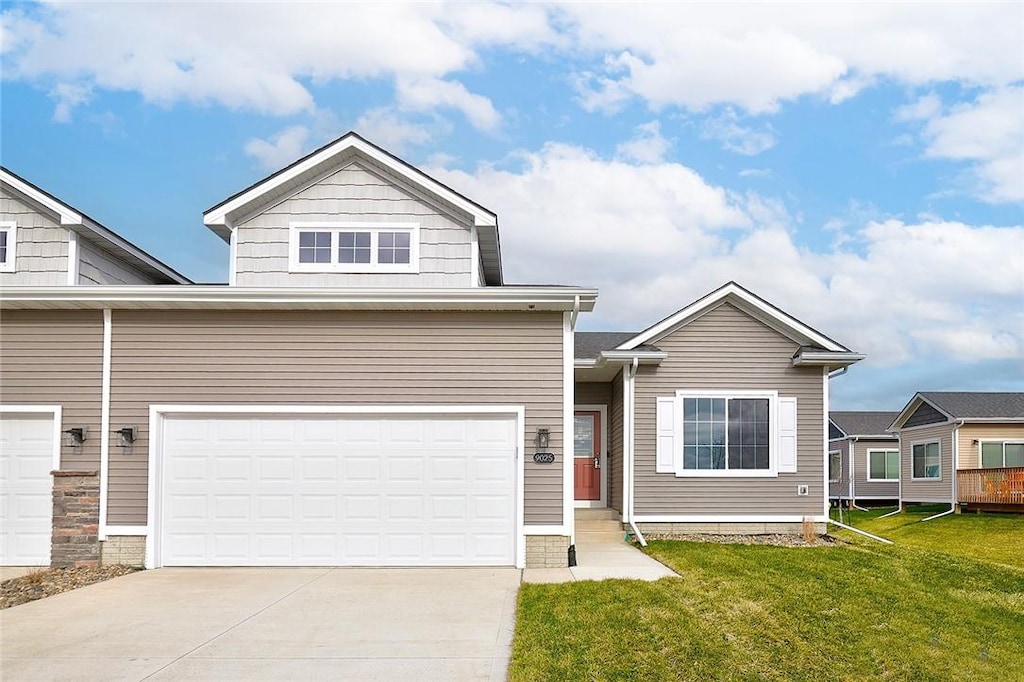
(547, 551)
(129, 550)
(76, 519)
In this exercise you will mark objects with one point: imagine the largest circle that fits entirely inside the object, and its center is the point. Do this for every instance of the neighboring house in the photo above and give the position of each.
(863, 460)
(43, 241)
(962, 447)
(366, 314)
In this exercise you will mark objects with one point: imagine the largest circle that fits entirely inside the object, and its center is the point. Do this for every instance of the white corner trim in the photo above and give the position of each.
(105, 422)
(825, 443)
(157, 413)
(474, 249)
(233, 258)
(11, 228)
(74, 258)
(568, 420)
(56, 411)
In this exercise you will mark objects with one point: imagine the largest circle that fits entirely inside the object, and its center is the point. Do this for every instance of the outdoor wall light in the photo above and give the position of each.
(543, 438)
(76, 435)
(128, 435)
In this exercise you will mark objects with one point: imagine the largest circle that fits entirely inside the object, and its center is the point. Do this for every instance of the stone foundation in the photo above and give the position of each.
(547, 551)
(76, 519)
(745, 528)
(129, 550)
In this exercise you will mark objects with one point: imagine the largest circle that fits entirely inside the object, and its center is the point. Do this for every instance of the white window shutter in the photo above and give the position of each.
(787, 435)
(666, 432)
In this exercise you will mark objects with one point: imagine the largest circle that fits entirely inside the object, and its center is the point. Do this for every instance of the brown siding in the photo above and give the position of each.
(969, 453)
(593, 393)
(927, 491)
(862, 486)
(615, 445)
(727, 349)
(56, 358)
(335, 358)
(840, 488)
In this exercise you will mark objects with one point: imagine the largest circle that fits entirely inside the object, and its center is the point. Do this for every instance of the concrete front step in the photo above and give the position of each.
(597, 526)
(585, 513)
(599, 537)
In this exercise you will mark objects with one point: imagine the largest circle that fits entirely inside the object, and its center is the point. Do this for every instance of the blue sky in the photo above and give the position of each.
(861, 166)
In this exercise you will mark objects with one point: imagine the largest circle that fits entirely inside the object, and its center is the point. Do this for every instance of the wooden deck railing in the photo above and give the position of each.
(991, 486)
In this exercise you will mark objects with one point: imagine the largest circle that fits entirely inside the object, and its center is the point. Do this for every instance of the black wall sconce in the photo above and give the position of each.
(76, 435)
(543, 439)
(128, 435)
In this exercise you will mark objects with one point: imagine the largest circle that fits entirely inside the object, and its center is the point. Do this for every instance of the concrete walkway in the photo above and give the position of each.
(269, 624)
(601, 554)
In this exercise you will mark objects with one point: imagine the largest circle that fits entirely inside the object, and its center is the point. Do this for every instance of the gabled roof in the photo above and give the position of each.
(863, 423)
(335, 154)
(815, 347)
(92, 230)
(970, 406)
(590, 344)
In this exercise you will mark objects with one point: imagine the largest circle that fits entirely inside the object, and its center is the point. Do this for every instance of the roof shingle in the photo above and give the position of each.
(863, 423)
(977, 405)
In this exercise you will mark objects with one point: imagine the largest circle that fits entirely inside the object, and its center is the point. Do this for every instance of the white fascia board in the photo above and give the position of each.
(642, 357)
(826, 359)
(481, 216)
(767, 313)
(68, 216)
(254, 298)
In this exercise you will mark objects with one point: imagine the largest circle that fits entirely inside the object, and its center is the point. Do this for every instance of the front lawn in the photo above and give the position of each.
(998, 538)
(860, 611)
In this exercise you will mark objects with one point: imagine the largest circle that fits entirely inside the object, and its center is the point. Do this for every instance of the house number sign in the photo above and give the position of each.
(544, 458)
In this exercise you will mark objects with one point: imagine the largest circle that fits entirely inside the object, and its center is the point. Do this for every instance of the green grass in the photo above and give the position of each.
(854, 612)
(998, 538)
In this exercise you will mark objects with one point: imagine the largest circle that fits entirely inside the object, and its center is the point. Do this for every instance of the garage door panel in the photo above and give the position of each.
(329, 490)
(26, 488)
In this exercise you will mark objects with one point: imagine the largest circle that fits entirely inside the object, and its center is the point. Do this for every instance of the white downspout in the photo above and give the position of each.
(631, 400)
(860, 532)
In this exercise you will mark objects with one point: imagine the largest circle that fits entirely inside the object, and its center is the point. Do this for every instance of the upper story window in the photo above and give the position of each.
(8, 236)
(354, 247)
(998, 454)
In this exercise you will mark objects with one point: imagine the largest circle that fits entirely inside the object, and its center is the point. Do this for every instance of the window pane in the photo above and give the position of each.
(314, 247)
(1014, 455)
(918, 461)
(748, 433)
(991, 455)
(690, 409)
(353, 247)
(690, 457)
(835, 463)
(892, 465)
(876, 468)
(393, 247)
(689, 433)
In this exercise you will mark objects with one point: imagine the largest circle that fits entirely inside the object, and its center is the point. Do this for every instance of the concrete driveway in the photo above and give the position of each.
(268, 623)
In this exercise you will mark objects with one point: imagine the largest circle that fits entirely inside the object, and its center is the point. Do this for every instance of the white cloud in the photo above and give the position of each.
(655, 236)
(647, 146)
(990, 133)
(921, 109)
(428, 94)
(280, 149)
(385, 127)
(68, 96)
(737, 138)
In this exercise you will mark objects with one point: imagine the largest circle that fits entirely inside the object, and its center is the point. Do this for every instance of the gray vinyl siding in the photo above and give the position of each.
(593, 393)
(342, 358)
(924, 414)
(841, 488)
(927, 491)
(41, 246)
(96, 266)
(354, 194)
(56, 358)
(726, 349)
(615, 415)
(862, 486)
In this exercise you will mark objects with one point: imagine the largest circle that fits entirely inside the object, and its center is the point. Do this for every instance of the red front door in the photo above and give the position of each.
(587, 455)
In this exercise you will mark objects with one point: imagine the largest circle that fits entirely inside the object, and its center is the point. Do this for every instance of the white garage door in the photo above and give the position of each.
(338, 491)
(26, 503)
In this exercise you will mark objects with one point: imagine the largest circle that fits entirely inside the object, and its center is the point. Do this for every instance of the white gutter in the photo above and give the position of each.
(629, 410)
(859, 531)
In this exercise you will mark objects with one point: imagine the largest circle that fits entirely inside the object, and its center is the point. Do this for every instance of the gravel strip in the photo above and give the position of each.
(49, 581)
(778, 540)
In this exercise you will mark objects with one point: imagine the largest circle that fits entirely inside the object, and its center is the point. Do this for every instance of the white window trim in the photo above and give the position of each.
(773, 452)
(840, 453)
(334, 227)
(11, 228)
(925, 442)
(867, 460)
(1004, 441)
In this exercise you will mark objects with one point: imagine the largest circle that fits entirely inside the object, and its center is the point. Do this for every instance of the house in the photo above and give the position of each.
(863, 460)
(368, 391)
(962, 447)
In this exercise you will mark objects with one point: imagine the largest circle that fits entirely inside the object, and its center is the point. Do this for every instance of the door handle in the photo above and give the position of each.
(597, 462)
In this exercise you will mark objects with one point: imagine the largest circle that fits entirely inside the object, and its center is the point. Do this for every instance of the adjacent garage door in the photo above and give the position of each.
(338, 491)
(26, 503)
